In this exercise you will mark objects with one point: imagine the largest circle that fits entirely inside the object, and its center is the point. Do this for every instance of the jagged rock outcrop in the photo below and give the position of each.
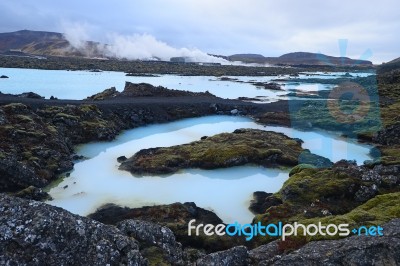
(389, 135)
(262, 201)
(237, 256)
(268, 85)
(148, 90)
(34, 233)
(32, 193)
(145, 90)
(265, 252)
(106, 94)
(156, 241)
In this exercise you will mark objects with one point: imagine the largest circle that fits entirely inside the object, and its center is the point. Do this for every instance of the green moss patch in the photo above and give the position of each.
(376, 211)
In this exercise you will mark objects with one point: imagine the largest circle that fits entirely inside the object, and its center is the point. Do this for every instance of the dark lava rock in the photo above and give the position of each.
(15, 176)
(264, 252)
(121, 159)
(347, 75)
(77, 157)
(3, 77)
(148, 90)
(164, 214)
(30, 95)
(176, 217)
(214, 107)
(248, 99)
(237, 256)
(378, 177)
(144, 90)
(262, 201)
(142, 75)
(389, 135)
(149, 235)
(243, 146)
(227, 79)
(365, 193)
(33, 193)
(34, 233)
(268, 86)
(307, 157)
(106, 94)
(354, 250)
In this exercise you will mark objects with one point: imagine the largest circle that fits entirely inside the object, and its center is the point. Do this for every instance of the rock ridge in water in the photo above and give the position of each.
(145, 90)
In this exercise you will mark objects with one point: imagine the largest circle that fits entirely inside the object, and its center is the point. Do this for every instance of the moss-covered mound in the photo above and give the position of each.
(344, 193)
(176, 217)
(376, 211)
(243, 146)
(37, 145)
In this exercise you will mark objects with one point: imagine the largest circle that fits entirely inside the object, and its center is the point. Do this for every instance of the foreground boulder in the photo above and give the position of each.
(176, 217)
(157, 242)
(39, 234)
(355, 250)
(237, 256)
(243, 146)
(345, 192)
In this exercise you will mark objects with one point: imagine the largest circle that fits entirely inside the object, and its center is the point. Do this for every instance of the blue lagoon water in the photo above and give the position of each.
(228, 192)
(78, 85)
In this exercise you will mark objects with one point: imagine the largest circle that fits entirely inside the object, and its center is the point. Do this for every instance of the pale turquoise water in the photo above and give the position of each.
(81, 84)
(225, 191)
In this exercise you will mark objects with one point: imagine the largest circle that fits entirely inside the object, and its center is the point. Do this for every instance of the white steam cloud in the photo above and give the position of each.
(137, 46)
(76, 34)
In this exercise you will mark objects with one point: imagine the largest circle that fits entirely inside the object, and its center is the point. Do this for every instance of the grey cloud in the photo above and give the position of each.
(221, 26)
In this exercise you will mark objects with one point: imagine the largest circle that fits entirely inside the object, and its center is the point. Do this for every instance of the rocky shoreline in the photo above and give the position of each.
(34, 233)
(44, 132)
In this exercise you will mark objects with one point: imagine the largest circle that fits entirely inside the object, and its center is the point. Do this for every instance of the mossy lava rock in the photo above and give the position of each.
(243, 146)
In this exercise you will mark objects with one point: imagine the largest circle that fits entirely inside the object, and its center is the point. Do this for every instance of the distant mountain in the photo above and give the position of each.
(247, 58)
(43, 43)
(393, 65)
(26, 42)
(299, 58)
(394, 61)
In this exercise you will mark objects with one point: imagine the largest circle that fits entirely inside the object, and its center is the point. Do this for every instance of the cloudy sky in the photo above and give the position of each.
(268, 27)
